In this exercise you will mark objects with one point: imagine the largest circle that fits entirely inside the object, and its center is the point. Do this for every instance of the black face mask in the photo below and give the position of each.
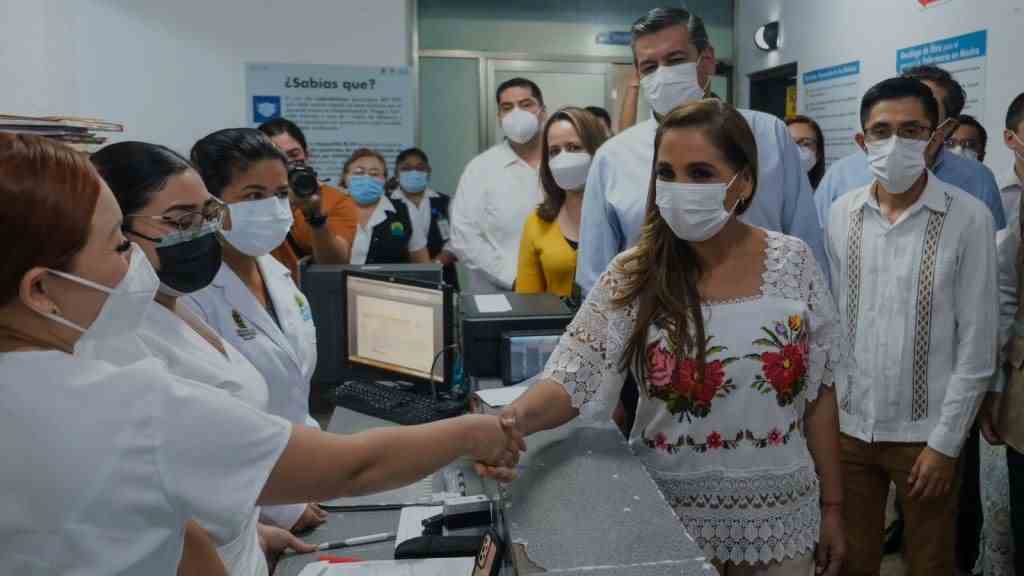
(190, 265)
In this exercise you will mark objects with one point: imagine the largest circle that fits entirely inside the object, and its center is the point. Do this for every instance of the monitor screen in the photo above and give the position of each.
(395, 327)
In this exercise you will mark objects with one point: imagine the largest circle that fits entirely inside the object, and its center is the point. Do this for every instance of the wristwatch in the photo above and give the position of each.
(316, 221)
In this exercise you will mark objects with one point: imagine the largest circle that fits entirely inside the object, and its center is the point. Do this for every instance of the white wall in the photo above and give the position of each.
(173, 71)
(820, 33)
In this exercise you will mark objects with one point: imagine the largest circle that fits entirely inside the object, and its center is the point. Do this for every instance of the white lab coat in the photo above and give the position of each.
(285, 354)
(188, 355)
(103, 465)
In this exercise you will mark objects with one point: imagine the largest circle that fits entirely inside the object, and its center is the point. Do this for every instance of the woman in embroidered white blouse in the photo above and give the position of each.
(737, 419)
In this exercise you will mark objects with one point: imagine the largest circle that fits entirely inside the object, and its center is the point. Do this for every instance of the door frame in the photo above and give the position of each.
(486, 63)
(484, 58)
(495, 65)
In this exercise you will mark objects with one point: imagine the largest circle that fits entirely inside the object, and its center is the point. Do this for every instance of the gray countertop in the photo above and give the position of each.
(583, 504)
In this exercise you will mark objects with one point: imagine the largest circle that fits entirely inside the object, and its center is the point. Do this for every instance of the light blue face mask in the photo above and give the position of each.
(413, 181)
(365, 189)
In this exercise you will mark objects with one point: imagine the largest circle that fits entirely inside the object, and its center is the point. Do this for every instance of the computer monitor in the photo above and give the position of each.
(323, 286)
(396, 329)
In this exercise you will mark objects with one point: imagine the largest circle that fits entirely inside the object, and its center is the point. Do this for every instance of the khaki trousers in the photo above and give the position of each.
(867, 470)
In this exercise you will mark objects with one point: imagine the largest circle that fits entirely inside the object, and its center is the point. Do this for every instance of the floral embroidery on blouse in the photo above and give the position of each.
(784, 369)
(681, 386)
(715, 441)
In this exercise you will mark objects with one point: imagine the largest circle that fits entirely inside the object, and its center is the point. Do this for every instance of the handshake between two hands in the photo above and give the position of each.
(498, 444)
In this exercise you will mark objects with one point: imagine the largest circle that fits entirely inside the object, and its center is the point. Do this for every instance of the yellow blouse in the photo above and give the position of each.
(547, 263)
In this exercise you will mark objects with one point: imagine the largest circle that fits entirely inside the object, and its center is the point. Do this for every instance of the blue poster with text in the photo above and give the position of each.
(965, 57)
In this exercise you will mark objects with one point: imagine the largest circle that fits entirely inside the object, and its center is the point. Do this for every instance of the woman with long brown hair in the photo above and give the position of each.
(729, 330)
(547, 251)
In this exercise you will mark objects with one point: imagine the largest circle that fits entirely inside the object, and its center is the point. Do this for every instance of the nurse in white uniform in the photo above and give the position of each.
(253, 302)
(105, 464)
(177, 222)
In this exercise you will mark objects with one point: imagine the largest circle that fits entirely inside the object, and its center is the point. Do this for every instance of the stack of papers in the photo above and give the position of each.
(79, 133)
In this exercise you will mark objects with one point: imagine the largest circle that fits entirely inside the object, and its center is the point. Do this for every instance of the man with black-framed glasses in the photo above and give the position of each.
(966, 174)
(914, 277)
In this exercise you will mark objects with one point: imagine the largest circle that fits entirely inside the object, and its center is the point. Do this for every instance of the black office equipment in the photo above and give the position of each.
(389, 403)
(482, 331)
(434, 546)
(324, 287)
(525, 352)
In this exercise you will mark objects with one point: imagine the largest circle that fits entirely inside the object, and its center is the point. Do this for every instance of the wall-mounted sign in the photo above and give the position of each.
(339, 108)
(614, 38)
(965, 57)
(832, 98)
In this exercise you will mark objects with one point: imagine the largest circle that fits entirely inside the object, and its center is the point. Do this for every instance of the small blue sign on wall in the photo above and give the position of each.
(265, 108)
(945, 51)
(614, 38)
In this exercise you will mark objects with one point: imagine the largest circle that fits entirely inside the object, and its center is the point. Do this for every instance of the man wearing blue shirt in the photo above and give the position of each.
(972, 177)
(675, 62)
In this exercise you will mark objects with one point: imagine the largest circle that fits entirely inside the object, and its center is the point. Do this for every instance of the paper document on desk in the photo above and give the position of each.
(419, 493)
(421, 567)
(487, 303)
(410, 523)
(500, 397)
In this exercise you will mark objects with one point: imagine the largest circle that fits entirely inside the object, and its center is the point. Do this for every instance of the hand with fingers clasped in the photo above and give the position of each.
(500, 462)
(932, 475)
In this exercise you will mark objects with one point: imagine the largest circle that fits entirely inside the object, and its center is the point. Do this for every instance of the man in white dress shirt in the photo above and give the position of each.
(675, 62)
(499, 189)
(914, 278)
(1010, 184)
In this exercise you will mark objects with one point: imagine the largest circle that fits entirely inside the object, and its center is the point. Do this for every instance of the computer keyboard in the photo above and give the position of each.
(389, 403)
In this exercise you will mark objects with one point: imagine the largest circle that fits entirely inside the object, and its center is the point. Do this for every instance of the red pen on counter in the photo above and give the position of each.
(331, 559)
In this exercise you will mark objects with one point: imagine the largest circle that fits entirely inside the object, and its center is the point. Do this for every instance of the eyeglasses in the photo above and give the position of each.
(965, 143)
(185, 220)
(907, 132)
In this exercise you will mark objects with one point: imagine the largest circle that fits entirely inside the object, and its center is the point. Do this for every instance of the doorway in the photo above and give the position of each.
(774, 90)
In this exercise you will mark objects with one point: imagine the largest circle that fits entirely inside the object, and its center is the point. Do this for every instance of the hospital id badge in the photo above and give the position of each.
(444, 228)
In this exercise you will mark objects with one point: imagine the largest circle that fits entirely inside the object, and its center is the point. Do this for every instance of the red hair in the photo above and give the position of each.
(49, 194)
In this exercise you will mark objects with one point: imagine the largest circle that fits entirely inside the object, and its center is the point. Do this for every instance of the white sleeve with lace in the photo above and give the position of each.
(792, 272)
(823, 324)
(586, 361)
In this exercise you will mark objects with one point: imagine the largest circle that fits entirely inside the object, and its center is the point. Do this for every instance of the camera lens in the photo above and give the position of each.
(303, 180)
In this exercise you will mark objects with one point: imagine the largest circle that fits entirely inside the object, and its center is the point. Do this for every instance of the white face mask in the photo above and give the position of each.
(259, 226)
(897, 162)
(808, 157)
(125, 307)
(570, 169)
(1019, 155)
(520, 126)
(694, 212)
(669, 87)
(964, 152)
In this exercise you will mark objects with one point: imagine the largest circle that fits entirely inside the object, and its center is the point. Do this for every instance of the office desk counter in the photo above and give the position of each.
(582, 505)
